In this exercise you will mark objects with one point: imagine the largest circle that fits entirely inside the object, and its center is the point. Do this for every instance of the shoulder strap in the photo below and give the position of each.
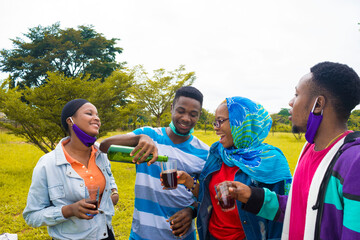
(319, 205)
(351, 137)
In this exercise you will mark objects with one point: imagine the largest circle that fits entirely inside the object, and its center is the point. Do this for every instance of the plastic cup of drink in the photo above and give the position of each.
(92, 196)
(169, 174)
(227, 202)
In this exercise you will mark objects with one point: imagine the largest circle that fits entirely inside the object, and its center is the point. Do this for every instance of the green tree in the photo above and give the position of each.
(356, 113)
(156, 93)
(205, 120)
(281, 121)
(37, 111)
(298, 136)
(284, 112)
(72, 52)
(131, 113)
(274, 124)
(354, 120)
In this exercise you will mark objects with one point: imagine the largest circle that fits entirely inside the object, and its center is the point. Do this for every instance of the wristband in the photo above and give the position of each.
(194, 210)
(114, 192)
(193, 187)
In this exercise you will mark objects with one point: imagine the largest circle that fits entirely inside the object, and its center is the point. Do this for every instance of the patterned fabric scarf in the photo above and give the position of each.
(250, 124)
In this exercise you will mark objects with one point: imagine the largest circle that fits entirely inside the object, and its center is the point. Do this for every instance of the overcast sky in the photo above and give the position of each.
(256, 48)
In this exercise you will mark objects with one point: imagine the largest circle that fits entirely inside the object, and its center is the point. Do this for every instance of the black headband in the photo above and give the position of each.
(70, 109)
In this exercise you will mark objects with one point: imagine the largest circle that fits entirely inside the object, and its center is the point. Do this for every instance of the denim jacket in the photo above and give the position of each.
(56, 184)
(254, 227)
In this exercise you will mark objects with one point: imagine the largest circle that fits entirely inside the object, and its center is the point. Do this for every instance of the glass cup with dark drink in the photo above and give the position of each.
(92, 196)
(169, 174)
(226, 202)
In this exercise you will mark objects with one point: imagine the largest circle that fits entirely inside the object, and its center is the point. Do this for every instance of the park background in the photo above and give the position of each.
(129, 57)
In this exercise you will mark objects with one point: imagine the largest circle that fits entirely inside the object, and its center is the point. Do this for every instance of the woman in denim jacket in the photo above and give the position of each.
(57, 192)
(239, 155)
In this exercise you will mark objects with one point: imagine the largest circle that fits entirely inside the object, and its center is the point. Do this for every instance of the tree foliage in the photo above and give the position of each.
(37, 111)
(74, 53)
(155, 94)
(206, 119)
(354, 120)
(284, 112)
(131, 114)
(281, 122)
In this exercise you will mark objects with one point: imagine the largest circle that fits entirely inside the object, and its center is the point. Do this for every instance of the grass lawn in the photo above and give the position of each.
(19, 158)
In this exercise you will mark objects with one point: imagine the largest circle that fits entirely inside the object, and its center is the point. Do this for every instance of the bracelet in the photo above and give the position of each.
(194, 210)
(193, 187)
(114, 192)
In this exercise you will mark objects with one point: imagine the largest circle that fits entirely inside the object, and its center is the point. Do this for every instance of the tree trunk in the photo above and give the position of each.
(158, 121)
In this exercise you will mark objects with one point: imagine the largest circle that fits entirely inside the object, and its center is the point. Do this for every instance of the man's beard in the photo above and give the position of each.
(296, 129)
(178, 132)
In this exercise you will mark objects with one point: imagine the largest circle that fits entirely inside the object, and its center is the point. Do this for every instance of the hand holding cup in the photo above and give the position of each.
(239, 191)
(226, 201)
(92, 193)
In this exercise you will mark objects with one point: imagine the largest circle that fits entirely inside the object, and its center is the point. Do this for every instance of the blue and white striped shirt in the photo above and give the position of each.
(153, 205)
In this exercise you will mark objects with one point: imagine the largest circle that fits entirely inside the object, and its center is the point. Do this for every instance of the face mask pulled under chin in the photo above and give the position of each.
(173, 128)
(86, 139)
(313, 124)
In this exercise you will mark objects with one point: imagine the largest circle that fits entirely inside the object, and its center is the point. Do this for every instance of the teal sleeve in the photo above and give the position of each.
(270, 205)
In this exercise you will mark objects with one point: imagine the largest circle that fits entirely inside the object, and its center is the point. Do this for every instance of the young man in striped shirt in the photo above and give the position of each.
(153, 205)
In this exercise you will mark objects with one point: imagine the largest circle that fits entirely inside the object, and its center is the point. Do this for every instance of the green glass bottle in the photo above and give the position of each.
(118, 153)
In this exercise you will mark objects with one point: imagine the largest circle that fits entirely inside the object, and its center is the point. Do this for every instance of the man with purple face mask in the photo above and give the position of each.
(324, 200)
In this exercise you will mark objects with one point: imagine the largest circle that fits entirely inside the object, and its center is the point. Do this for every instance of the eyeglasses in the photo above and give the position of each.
(218, 123)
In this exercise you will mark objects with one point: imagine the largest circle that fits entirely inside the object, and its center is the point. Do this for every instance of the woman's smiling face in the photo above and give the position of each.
(87, 119)
(224, 130)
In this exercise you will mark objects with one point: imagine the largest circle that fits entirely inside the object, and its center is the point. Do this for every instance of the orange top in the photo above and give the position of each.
(92, 174)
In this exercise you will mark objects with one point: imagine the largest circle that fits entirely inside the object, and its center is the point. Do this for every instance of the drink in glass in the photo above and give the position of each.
(169, 174)
(226, 202)
(92, 196)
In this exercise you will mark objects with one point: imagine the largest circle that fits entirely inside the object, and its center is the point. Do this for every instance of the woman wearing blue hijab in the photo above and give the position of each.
(239, 155)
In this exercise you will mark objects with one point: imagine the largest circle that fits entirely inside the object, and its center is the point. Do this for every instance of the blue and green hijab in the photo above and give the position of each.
(250, 124)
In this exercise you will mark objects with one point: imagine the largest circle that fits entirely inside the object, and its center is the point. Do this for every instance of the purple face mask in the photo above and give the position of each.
(84, 138)
(313, 124)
